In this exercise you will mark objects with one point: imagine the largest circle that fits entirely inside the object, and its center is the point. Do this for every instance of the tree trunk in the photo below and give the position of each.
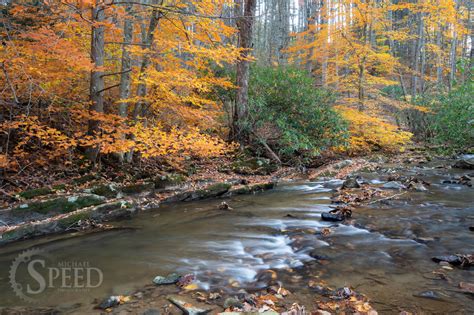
(452, 72)
(148, 41)
(439, 65)
(126, 69)
(97, 84)
(416, 56)
(244, 25)
(125, 79)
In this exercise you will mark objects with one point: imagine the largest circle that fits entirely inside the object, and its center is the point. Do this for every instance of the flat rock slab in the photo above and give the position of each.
(187, 307)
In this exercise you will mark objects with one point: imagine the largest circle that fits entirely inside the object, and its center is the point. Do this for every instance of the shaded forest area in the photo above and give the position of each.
(163, 86)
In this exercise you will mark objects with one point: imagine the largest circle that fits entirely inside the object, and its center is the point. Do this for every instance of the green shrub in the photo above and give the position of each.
(450, 119)
(291, 115)
(453, 120)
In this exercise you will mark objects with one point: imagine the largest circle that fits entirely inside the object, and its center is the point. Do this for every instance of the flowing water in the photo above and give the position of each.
(385, 253)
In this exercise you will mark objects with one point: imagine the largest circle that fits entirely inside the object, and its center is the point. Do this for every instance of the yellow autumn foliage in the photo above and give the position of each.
(369, 133)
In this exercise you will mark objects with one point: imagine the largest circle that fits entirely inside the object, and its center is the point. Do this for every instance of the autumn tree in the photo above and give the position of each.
(245, 13)
(157, 86)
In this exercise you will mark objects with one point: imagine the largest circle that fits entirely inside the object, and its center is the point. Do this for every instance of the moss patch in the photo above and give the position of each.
(73, 219)
(104, 190)
(32, 193)
(60, 205)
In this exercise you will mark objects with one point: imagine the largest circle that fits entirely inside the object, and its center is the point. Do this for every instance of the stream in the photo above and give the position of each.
(385, 253)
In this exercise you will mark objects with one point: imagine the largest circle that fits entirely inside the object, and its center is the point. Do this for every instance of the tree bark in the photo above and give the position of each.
(148, 41)
(244, 25)
(126, 69)
(125, 79)
(97, 84)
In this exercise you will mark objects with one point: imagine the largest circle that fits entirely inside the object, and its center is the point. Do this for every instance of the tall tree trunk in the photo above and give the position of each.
(97, 84)
(125, 79)
(325, 9)
(244, 25)
(126, 68)
(148, 41)
(439, 61)
(423, 57)
(416, 56)
(453, 59)
(452, 72)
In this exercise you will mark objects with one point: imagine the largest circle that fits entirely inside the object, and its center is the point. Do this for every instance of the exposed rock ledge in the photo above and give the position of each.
(62, 214)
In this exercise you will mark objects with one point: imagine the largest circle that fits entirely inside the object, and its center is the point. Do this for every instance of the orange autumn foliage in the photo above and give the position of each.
(46, 65)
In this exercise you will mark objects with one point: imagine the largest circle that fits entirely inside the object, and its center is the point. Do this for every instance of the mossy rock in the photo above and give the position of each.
(32, 193)
(137, 188)
(262, 186)
(243, 190)
(73, 219)
(108, 191)
(60, 205)
(214, 190)
(9, 235)
(253, 166)
(248, 189)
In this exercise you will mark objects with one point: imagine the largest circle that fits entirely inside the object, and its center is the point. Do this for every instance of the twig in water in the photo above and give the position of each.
(387, 198)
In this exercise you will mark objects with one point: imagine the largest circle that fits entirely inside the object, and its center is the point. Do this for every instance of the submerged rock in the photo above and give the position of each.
(467, 287)
(187, 308)
(350, 183)
(169, 279)
(394, 185)
(456, 260)
(452, 259)
(429, 295)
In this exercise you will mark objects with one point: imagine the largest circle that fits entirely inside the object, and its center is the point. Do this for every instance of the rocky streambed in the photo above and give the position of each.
(273, 252)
